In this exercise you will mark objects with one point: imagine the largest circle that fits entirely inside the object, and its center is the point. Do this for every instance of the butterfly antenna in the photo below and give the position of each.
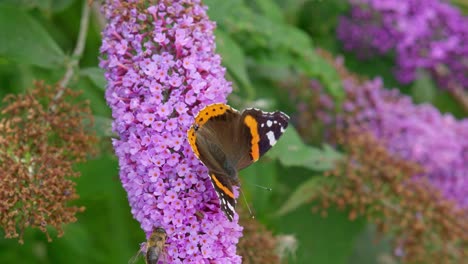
(247, 204)
(263, 187)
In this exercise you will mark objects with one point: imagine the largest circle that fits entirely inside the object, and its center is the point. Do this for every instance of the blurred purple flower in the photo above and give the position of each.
(417, 133)
(424, 34)
(161, 70)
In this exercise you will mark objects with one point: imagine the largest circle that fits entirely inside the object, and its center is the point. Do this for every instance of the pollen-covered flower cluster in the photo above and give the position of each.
(161, 70)
(42, 136)
(424, 34)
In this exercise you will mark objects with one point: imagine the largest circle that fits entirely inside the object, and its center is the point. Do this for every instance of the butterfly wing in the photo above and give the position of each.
(223, 188)
(215, 141)
(263, 129)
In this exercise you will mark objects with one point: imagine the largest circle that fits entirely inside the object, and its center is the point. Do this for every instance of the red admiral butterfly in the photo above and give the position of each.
(227, 141)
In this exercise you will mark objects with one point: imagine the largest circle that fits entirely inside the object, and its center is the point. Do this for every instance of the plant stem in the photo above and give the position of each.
(77, 53)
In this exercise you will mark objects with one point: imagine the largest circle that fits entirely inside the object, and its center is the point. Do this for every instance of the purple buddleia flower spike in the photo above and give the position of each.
(419, 133)
(424, 34)
(161, 68)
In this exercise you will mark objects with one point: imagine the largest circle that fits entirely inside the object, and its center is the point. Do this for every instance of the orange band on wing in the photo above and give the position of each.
(192, 140)
(250, 122)
(222, 187)
(210, 111)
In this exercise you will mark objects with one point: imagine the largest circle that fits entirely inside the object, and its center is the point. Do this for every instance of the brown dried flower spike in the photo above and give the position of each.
(375, 184)
(41, 137)
(257, 245)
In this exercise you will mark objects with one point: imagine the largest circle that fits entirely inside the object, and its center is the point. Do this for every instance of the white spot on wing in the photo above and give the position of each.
(269, 123)
(271, 138)
(282, 129)
(230, 207)
(223, 200)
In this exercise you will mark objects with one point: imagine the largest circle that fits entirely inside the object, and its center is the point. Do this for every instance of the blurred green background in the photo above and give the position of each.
(263, 43)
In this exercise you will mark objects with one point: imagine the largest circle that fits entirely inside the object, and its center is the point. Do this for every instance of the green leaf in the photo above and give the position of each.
(60, 5)
(218, 10)
(44, 5)
(327, 74)
(446, 103)
(25, 41)
(107, 214)
(103, 126)
(291, 9)
(378, 67)
(77, 241)
(258, 29)
(423, 89)
(272, 42)
(94, 94)
(27, 4)
(234, 60)
(276, 36)
(369, 250)
(96, 76)
(291, 151)
(274, 60)
(270, 9)
(320, 239)
(303, 194)
(102, 187)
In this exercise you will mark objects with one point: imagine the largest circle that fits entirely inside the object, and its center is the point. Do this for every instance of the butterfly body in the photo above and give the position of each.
(226, 141)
